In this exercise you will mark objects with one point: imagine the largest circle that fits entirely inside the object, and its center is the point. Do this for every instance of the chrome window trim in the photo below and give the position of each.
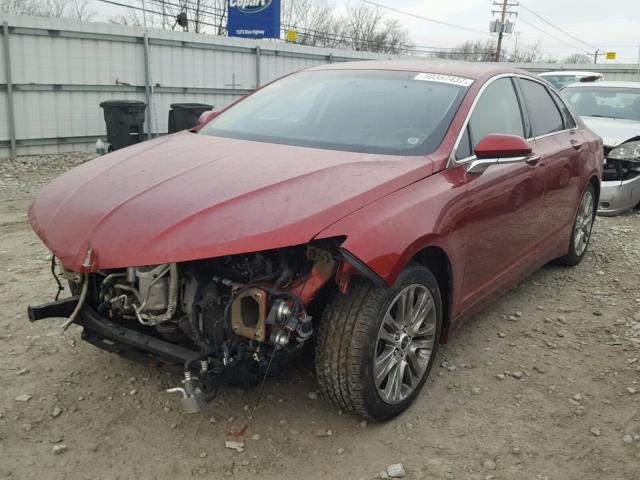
(452, 156)
(452, 162)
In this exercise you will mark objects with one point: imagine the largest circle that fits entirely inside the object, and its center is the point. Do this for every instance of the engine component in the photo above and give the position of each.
(193, 399)
(289, 323)
(153, 286)
(172, 302)
(249, 313)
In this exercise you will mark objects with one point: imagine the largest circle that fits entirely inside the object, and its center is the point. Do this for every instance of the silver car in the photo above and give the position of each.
(562, 78)
(612, 110)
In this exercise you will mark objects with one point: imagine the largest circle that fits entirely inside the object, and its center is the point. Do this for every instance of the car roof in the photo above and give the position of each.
(606, 84)
(473, 70)
(571, 72)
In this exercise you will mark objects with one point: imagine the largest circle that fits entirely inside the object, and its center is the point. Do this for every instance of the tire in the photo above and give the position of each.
(352, 336)
(582, 225)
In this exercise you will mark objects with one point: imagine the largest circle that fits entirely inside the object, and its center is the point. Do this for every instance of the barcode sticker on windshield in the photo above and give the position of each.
(442, 78)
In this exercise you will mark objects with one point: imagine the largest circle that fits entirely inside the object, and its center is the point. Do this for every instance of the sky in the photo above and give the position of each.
(612, 25)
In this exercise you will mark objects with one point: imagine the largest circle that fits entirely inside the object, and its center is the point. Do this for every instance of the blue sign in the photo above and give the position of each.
(254, 18)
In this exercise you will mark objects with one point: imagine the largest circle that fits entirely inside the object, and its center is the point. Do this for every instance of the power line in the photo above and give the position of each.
(556, 27)
(550, 35)
(427, 19)
(326, 36)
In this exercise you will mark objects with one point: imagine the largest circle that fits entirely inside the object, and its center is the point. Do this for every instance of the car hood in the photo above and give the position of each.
(189, 196)
(613, 131)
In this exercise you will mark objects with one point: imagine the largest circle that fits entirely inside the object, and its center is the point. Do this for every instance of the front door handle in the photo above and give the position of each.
(533, 160)
(576, 144)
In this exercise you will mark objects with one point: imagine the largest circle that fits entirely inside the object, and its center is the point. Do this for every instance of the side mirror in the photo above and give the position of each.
(205, 117)
(499, 149)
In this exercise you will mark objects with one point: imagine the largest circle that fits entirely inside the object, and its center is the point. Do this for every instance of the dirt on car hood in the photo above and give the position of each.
(189, 196)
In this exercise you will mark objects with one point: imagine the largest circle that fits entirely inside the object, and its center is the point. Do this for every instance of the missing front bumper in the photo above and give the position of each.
(617, 197)
(113, 337)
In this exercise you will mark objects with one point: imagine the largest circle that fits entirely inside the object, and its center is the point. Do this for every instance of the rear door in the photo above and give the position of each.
(563, 153)
(505, 201)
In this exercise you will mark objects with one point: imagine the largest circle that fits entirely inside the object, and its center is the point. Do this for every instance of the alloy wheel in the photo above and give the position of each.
(584, 222)
(405, 343)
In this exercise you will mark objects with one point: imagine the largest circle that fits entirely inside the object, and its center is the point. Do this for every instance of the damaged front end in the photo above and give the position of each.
(620, 189)
(215, 320)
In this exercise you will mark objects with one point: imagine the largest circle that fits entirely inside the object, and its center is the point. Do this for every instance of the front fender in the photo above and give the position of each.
(386, 234)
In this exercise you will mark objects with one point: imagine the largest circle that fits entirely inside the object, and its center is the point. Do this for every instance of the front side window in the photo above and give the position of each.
(544, 115)
(497, 111)
(610, 102)
(464, 147)
(370, 111)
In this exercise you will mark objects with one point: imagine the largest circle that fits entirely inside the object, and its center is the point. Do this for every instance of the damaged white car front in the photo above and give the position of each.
(612, 110)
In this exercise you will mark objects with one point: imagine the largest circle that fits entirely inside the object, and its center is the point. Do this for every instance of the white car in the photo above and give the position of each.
(612, 110)
(563, 78)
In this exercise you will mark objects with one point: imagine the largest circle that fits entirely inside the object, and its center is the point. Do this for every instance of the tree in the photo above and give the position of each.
(19, 7)
(472, 50)
(529, 53)
(366, 29)
(73, 9)
(202, 16)
(578, 58)
(525, 53)
(315, 21)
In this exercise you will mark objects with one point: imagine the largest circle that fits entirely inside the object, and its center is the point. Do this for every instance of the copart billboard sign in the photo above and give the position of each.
(254, 18)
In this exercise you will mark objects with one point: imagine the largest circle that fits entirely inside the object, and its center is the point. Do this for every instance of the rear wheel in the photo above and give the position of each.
(581, 233)
(376, 346)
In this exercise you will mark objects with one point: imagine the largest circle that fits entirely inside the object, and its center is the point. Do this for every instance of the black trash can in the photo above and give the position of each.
(183, 116)
(125, 122)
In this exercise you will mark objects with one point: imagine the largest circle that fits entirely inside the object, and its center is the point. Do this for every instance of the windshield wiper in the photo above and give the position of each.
(603, 116)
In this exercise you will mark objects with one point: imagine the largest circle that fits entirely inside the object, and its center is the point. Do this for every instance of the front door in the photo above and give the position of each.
(505, 201)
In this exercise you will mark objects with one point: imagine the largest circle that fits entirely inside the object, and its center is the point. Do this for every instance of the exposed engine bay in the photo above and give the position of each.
(620, 170)
(231, 313)
(620, 190)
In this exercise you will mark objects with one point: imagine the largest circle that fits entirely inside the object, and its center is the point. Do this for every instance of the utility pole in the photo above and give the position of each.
(502, 26)
(596, 54)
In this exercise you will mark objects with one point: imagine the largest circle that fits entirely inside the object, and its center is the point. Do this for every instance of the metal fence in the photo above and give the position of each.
(54, 74)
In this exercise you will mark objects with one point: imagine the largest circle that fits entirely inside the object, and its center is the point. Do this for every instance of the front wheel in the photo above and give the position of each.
(581, 232)
(377, 345)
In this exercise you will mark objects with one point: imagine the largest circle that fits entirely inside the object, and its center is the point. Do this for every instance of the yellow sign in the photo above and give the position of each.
(611, 56)
(292, 35)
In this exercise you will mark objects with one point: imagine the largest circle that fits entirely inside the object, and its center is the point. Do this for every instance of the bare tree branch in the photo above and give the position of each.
(472, 50)
(578, 58)
(366, 29)
(314, 20)
(74, 9)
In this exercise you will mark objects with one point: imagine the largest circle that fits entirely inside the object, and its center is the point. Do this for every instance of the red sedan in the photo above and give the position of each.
(365, 208)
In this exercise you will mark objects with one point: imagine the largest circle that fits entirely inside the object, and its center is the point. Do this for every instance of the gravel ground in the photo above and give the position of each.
(545, 384)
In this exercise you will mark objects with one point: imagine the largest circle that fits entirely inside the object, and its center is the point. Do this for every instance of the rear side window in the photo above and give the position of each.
(543, 113)
(497, 111)
(569, 122)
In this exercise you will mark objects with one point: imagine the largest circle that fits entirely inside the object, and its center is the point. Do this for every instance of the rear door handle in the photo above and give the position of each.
(576, 144)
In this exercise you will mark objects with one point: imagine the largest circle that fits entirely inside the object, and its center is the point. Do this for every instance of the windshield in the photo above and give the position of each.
(609, 102)
(562, 80)
(353, 110)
